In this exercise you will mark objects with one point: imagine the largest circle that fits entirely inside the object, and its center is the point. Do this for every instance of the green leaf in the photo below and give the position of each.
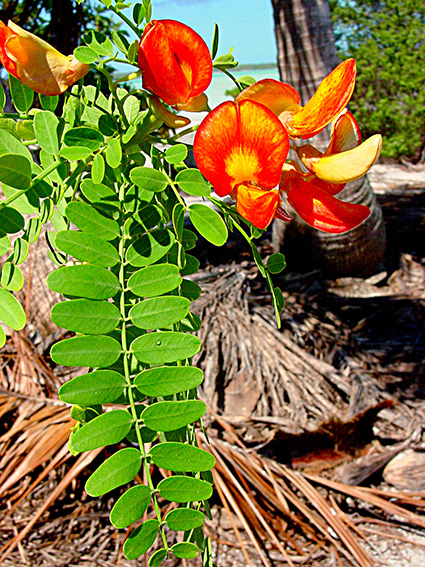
(15, 171)
(32, 232)
(279, 299)
(2, 337)
(168, 380)
(276, 263)
(11, 277)
(184, 519)
(131, 506)
(87, 248)
(75, 153)
(157, 558)
(155, 280)
(169, 416)
(176, 154)
(84, 136)
(141, 539)
(2, 99)
(120, 41)
(25, 129)
(138, 13)
(106, 429)
(189, 239)
(107, 124)
(85, 55)
(99, 193)
(20, 251)
(46, 131)
(181, 457)
(99, 387)
(98, 169)
(185, 550)
(184, 489)
(11, 312)
(99, 43)
(92, 351)
(47, 208)
(86, 281)
(119, 469)
(113, 153)
(5, 246)
(48, 102)
(164, 347)
(86, 316)
(178, 220)
(192, 182)
(10, 145)
(226, 61)
(22, 96)
(191, 267)
(150, 248)
(208, 223)
(89, 220)
(149, 179)
(190, 289)
(159, 312)
(132, 108)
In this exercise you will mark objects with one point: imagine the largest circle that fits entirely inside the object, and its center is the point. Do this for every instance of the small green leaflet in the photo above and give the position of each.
(185, 550)
(45, 127)
(184, 489)
(11, 312)
(157, 558)
(98, 169)
(181, 457)
(150, 248)
(149, 179)
(99, 387)
(155, 280)
(84, 280)
(106, 429)
(22, 96)
(168, 380)
(176, 154)
(169, 416)
(208, 223)
(141, 539)
(159, 312)
(84, 136)
(11, 277)
(87, 248)
(192, 182)
(20, 251)
(15, 171)
(164, 347)
(113, 153)
(86, 316)
(184, 519)
(89, 220)
(92, 351)
(131, 506)
(276, 263)
(48, 102)
(119, 469)
(85, 55)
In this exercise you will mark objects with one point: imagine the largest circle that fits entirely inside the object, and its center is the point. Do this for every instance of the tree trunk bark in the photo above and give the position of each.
(306, 54)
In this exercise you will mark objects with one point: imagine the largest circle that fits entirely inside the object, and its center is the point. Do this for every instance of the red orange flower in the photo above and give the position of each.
(241, 148)
(37, 64)
(176, 64)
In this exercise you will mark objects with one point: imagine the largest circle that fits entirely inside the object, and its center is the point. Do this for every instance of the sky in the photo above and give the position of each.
(245, 24)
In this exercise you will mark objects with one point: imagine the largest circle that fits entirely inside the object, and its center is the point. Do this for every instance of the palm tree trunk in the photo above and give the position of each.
(306, 54)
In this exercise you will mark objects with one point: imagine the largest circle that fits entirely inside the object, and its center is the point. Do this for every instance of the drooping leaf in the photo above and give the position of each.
(155, 280)
(106, 429)
(99, 387)
(190, 289)
(86, 316)
(48, 102)
(191, 267)
(11, 312)
(181, 457)
(141, 539)
(10, 145)
(85, 281)
(163, 347)
(131, 506)
(89, 220)
(169, 416)
(92, 351)
(159, 312)
(184, 519)
(184, 489)
(119, 469)
(208, 223)
(5, 245)
(87, 248)
(168, 380)
(150, 248)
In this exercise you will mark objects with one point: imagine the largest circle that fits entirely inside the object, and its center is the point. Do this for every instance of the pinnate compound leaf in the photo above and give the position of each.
(184, 519)
(131, 506)
(89, 220)
(208, 223)
(185, 550)
(106, 429)
(86, 316)
(150, 248)
(87, 248)
(155, 280)
(92, 351)
(117, 470)
(11, 312)
(184, 489)
(141, 539)
(99, 387)
(165, 347)
(149, 179)
(84, 280)
(169, 416)
(181, 457)
(192, 182)
(159, 312)
(168, 380)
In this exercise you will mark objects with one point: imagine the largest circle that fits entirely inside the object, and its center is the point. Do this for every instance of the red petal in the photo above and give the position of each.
(175, 61)
(322, 211)
(345, 135)
(256, 205)
(278, 97)
(241, 143)
(331, 97)
(6, 61)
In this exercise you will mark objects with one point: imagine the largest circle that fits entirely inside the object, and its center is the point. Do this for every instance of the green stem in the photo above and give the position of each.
(176, 191)
(182, 133)
(126, 20)
(232, 78)
(15, 116)
(113, 90)
(122, 251)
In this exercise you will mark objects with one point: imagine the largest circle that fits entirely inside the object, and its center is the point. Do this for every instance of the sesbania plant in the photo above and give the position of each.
(108, 170)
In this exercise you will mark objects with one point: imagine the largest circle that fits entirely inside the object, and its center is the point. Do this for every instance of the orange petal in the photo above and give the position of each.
(256, 205)
(241, 143)
(322, 211)
(345, 134)
(278, 97)
(292, 170)
(331, 97)
(345, 166)
(175, 61)
(169, 118)
(6, 61)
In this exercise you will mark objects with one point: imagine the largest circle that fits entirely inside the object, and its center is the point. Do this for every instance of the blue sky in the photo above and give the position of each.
(245, 24)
